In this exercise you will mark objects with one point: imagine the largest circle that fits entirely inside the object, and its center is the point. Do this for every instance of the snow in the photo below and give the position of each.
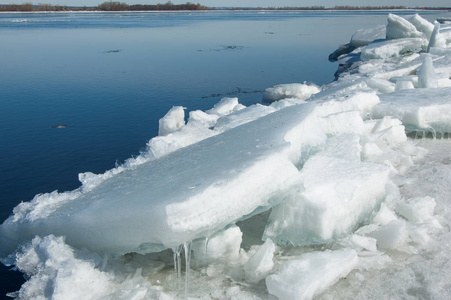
(329, 178)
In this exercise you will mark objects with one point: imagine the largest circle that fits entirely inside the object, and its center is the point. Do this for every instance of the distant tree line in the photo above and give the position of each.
(105, 6)
(121, 6)
(31, 7)
(309, 8)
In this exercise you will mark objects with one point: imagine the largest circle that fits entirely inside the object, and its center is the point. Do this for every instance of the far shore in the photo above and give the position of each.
(108, 7)
(221, 9)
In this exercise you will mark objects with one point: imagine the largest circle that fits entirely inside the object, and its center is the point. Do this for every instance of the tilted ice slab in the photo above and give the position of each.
(393, 48)
(363, 37)
(418, 109)
(187, 194)
(398, 28)
(421, 24)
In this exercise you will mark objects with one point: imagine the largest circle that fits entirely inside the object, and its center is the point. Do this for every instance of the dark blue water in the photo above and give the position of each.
(110, 76)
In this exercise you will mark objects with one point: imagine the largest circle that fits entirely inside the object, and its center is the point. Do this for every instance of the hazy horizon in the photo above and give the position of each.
(256, 3)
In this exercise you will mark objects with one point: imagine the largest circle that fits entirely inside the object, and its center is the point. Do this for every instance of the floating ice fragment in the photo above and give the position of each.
(310, 274)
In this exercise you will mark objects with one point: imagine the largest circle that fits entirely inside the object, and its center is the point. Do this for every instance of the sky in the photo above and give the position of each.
(252, 3)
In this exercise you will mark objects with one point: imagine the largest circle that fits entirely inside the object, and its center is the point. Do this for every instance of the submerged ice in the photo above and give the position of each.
(286, 198)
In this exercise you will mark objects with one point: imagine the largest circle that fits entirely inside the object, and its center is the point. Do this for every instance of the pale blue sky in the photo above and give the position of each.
(252, 3)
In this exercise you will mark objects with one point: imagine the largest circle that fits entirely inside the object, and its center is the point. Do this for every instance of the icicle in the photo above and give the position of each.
(104, 262)
(179, 262)
(206, 248)
(187, 247)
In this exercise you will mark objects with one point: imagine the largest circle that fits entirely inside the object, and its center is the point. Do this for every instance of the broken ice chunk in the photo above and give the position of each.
(392, 235)
(261, 263)
(225, 106)
(404, 85)
(421, 24)
(310, 274)
(385, 215)
(338, 195)
(398, 28)
(426, 74)
(223, 246)
(293, 90)
(172, 121)
(418, 209)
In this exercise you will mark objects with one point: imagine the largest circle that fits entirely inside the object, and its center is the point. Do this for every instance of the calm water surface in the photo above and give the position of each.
(111, 76)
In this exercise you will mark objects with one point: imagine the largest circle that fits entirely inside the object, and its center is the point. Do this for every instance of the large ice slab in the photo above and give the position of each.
(418, 109)
(187, 194)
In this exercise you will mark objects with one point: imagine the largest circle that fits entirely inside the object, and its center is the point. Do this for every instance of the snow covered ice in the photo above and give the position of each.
(282, 200)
